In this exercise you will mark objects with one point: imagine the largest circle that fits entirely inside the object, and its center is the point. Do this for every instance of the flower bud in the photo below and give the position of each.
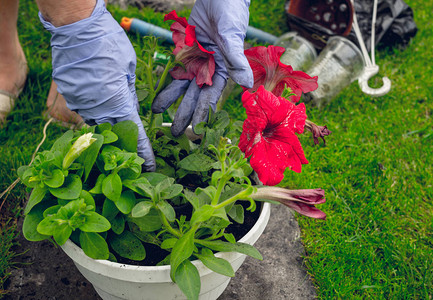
(301, 201)
(81, 144)
(317, 131)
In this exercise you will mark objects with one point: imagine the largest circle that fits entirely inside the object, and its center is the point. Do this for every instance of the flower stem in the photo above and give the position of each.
(163, 76)
(167, 225)
(222, 182)
(244, 194)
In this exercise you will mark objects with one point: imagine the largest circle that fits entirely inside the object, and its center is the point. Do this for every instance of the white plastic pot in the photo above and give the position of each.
(120, 281)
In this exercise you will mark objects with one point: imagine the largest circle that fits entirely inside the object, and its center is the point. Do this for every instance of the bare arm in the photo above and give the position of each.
(63, 12)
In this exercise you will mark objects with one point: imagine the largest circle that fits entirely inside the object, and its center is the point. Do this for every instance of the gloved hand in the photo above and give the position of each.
(221, 27)
(94, 69)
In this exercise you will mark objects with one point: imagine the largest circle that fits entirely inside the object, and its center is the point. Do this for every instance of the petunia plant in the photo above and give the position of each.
(90, 188)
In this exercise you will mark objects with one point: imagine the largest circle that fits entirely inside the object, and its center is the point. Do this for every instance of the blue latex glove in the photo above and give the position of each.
(221, 27)
(94, 69)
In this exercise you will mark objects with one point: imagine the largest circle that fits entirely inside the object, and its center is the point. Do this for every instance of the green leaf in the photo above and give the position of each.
(109, 136)
(88, 199)
(202, 214)
(164, 168)
(112, 187)
(167, 210)
(171, 191)
(51, 210)
(153, 178)
(237, 213)
(63, 143)
(109, 209)
(187, 278)
(141, 209)
(94, 245)
(218, 265)
(112, 258)
(230, 238)
(200, 128)
(70, 190)
(182, 250)
(126, 202)
(24, 172)
(56, 180)
(127, 131)
(31, 221)
(168, 243)
(95, 223)
(216, 175)
(213, 136)
(62, 233)
(207, 194)
(110, 157)
(197, 162)
(221, 120)
(229, 247)
(118, 224)
(128, 245)
(221, 213)
(97, 189)
(88, 157)
(141, 186)
(192, 198)
(47, 226)
(102, 127)
(36, 196)
(166, 183)
(149, 222)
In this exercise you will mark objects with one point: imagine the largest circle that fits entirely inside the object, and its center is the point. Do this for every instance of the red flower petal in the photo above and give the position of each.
(306, 209)
(269, 71)
(269, 135)
(198, 62)
(302, 201)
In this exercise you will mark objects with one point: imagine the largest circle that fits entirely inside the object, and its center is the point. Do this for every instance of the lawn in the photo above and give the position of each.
(376, 167)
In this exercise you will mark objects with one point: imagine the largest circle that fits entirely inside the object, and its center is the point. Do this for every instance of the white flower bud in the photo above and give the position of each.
(81, 144)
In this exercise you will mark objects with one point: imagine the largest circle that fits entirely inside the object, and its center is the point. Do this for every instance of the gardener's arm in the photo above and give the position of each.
(221, 27)
(94, 65)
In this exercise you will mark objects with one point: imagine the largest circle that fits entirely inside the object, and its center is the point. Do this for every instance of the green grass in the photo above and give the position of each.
(376, 168)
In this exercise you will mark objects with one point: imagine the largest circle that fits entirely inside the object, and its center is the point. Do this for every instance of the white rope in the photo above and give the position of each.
(373, 32)
(360, 38)
(371, 68)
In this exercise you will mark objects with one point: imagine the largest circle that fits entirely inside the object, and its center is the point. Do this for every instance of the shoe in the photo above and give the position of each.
(7, 102)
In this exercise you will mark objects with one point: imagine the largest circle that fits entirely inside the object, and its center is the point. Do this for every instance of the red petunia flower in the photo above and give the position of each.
(269, 71)
(302, 201)
(269, 137)
(197, 61)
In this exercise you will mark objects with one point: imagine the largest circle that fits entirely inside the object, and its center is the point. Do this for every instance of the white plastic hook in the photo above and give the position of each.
(371, 68)
(370, 71)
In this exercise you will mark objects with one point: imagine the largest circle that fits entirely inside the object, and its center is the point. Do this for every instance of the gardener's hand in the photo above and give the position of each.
(94, 69)
(221, 27)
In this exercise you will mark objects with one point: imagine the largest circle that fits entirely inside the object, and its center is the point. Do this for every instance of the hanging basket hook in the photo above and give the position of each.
(369, 72)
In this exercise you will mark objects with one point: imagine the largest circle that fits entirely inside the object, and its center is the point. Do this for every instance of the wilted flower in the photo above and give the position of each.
(301, 201)
(81, 144)
(269, 71)
(269, 137)
(197, 61)
(317, 131)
